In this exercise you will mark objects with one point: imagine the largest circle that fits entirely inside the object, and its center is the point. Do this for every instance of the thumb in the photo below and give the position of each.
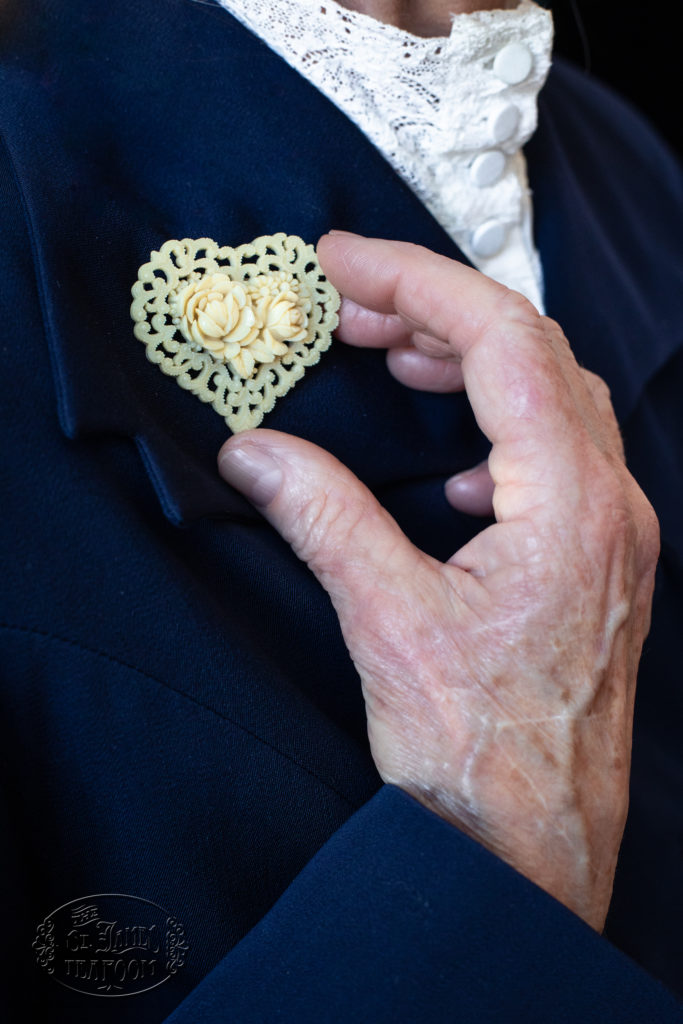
(330, 519)
(472, 491)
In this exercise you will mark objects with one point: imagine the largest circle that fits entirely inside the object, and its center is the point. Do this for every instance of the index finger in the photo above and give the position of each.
(524, 386)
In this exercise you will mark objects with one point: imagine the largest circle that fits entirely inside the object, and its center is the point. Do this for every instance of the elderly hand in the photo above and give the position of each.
(499, 687)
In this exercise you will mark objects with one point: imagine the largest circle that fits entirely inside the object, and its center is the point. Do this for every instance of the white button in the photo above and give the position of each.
(488, 238)
(504, 123)
(513, 63)
(487, 168)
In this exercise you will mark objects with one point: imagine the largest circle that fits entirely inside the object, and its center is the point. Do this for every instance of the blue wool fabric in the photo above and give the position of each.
(180, 718)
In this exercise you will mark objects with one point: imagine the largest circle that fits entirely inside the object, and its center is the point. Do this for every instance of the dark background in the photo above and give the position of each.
(633, 46)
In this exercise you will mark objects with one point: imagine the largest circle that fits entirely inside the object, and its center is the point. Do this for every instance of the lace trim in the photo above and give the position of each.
(428, 104)
(236, 327)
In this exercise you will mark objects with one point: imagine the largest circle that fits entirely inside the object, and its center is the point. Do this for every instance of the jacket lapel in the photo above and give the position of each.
(126, 158)
(208, 133)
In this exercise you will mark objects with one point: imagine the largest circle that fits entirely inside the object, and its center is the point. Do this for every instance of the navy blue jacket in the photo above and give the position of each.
(180, 720)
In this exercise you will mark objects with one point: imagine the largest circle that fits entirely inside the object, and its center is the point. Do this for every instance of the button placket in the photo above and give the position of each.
(512, 65)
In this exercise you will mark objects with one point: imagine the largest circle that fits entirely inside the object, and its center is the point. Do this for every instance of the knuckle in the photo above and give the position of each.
(606, 427)
(598, 386)
(649, 533)
(554, 333)
(513, 305)
(511, 309)
(326, 522)
(316, 516)
(621, 525)
(611, 510)
(624, 518)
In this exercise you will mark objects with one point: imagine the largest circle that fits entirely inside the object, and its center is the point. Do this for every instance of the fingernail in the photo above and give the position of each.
(464, 483)
(463, 474)
(252, 471)
(338, 231)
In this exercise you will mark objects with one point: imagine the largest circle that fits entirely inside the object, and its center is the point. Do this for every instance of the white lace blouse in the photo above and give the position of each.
(449, 114)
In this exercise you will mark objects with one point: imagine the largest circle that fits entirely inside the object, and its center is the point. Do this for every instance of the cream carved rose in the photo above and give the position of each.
(281, 307)
(242, 323)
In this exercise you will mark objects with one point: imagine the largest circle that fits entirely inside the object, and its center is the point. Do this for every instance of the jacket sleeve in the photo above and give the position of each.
(401, 918)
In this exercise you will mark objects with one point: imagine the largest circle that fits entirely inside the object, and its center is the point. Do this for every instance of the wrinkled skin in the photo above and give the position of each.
(499, 687)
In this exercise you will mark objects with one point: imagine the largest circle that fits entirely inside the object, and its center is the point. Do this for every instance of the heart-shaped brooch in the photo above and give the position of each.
(236, 327)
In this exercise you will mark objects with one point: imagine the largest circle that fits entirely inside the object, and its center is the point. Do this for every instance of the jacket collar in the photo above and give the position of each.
(118, 160)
